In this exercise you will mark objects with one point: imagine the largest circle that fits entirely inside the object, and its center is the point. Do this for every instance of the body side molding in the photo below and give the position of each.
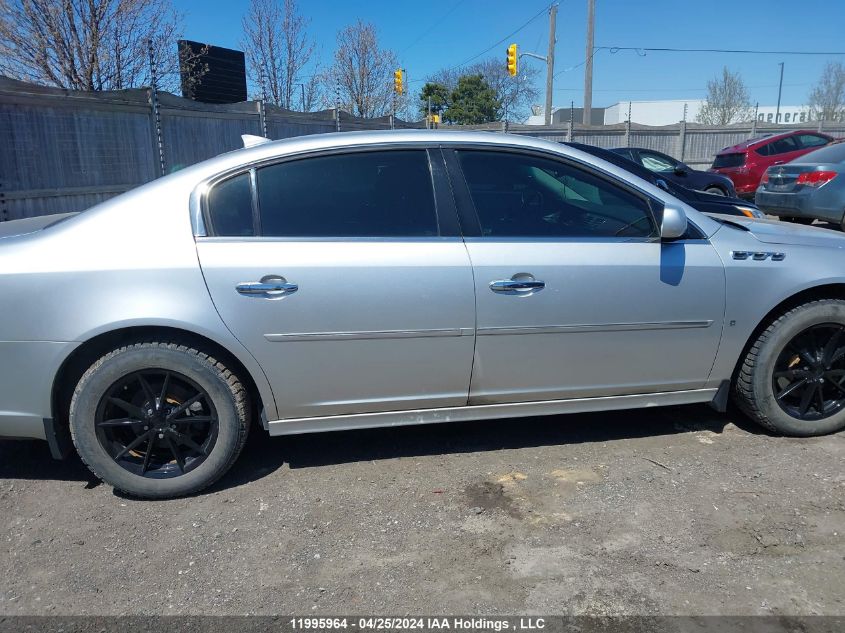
(295, 426)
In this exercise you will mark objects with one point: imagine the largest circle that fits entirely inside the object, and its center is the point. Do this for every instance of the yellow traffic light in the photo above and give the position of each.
(398, 88)
(512, 60)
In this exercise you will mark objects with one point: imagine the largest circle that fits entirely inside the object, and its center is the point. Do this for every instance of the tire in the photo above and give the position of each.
(804, 221)
(756, 383)
(216, 424)
(715, 191)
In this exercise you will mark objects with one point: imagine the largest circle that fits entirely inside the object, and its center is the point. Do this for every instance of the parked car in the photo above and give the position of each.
(704, 202)
(746, 162)
(678, 172)
(809, 188)
(357, 280)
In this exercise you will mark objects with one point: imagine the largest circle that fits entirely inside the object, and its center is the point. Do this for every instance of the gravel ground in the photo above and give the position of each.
(664, 511)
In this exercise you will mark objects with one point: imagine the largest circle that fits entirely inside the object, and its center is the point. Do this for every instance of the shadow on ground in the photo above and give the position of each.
(264, 455)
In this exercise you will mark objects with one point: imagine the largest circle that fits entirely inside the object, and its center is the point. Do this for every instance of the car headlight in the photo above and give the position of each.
(749, 212)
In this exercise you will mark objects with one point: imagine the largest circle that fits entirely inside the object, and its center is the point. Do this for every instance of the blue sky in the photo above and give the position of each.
(424, 45)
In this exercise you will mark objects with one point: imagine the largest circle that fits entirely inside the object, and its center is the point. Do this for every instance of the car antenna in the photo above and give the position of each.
(251, 140)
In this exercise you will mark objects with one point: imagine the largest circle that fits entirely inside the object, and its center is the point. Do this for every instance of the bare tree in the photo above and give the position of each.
(727, 100)
(89, 44)
(827, 99)
(515, 94)
(362, 72)
(278, 48)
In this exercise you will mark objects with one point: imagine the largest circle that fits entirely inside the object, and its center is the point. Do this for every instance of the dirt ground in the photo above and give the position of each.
(662, 511)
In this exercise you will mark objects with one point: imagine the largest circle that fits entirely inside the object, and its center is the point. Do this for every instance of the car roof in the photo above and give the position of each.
(757, 141)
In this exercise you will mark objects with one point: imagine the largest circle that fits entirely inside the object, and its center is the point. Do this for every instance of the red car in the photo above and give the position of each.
(746, 163)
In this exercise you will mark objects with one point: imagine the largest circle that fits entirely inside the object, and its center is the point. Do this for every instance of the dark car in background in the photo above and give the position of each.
(678, 172)
(746, 162)
(809, 188)
(704, 202)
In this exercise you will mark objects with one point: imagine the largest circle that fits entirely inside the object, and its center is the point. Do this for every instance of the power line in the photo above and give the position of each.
(433, 26)
(501, 41)
(643, 49)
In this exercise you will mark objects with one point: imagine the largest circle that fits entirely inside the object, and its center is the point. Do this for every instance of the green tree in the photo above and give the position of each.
(439, 94)
(472, 101)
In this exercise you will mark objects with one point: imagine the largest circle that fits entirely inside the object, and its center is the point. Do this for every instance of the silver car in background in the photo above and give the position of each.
(374, 279)
(809, 188)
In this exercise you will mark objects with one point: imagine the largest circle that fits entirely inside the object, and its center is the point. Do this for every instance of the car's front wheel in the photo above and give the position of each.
(792, 379)
(715, 191)
(159, 419)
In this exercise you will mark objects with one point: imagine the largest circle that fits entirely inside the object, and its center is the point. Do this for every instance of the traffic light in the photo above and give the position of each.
(398, 88)
(512, 60)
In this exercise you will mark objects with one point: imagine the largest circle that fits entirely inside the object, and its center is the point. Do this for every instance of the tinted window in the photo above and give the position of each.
(765, 150)
(230, 207)
(366, 194)
(830, 154)
(729, 160)
(517, 195)
(656, 162)
(811, 140)
(783, 145)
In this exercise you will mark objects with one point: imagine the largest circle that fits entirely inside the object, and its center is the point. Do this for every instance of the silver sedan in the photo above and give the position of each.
(373, 279)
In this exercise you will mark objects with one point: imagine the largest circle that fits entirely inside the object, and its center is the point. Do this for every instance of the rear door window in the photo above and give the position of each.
(363, 194)
(783, 145)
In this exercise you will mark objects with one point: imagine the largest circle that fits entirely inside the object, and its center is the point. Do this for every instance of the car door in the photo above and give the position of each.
(576, 296)
(346, 278)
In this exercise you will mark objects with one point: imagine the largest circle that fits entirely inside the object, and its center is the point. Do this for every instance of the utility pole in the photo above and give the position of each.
(780, 88)
(550, 62)
(588, 67)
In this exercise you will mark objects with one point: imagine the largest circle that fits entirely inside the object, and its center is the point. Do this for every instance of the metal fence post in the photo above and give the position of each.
(754, 120)
(262, 117)
(682, 141)
(158, 135)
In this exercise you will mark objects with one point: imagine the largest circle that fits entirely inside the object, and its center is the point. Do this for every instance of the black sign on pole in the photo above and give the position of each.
(224, 79)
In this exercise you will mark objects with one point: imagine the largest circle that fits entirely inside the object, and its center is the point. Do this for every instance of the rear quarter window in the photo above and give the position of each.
(229, 207)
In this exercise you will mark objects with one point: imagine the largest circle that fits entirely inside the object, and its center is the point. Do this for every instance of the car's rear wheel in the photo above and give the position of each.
(715, 191)
(159, 419)
(797, 220)
(792, 379)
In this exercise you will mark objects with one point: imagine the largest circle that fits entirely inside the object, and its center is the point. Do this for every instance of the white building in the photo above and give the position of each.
(671, 111)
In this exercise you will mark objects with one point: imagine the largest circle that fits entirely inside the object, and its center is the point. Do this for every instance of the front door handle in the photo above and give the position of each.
(267, 287)
(513, 286)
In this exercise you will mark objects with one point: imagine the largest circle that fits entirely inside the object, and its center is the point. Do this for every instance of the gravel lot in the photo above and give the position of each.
(664, 511)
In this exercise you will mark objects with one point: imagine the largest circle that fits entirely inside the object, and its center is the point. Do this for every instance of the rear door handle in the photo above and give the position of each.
(513, 286)
(267, 287)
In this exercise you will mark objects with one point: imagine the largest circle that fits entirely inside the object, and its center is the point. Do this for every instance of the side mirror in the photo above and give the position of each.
(674, 223)
(681, 169)
(662, 184)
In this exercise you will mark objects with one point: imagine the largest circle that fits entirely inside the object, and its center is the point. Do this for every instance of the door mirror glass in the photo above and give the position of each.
(674, 223)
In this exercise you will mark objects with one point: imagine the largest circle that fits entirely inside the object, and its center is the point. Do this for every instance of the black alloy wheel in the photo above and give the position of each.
(157, 423)
(809, 374)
